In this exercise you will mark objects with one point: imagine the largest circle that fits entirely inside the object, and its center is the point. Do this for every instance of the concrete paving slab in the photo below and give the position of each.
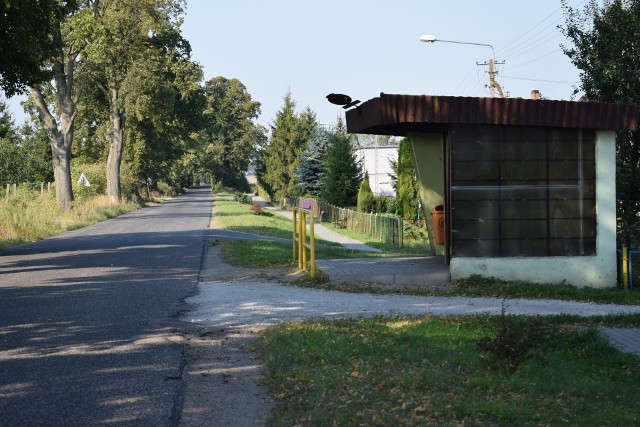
(624, 339)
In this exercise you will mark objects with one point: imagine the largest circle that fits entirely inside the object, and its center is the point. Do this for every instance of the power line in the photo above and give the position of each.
(532, 28)
(522, 45)
(529, 49)
(533, 60)
(550, 30)
(467, 78)
(506, 51)
(540, 80)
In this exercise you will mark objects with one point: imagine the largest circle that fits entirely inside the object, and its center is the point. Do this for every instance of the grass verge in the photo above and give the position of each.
(428, 371)
(27, 216)
(265, 253)
(411, 247)
(236, 216)
(477, 286)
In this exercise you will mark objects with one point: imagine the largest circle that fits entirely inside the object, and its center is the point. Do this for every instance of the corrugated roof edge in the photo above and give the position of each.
(401, 114)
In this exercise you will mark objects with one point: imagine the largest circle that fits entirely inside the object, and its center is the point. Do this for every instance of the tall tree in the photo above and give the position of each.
(276, 169)
(606, 48)
(28, 30)
(343, 175)
(163, 112)
(231, 134)
(59, 122)
(311, 169)
(119, 42)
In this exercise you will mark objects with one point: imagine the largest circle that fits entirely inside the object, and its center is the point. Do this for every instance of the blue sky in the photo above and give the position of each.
(362, 48)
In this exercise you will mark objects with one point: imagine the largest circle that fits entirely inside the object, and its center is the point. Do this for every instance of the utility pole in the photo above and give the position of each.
(493, 84)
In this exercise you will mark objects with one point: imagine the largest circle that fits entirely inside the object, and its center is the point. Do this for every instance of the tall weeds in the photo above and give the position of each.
(27, 216)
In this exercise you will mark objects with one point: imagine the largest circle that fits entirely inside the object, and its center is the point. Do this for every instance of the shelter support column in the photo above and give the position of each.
(428, 161)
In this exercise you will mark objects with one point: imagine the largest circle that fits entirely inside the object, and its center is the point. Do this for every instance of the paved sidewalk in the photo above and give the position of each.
(254, 304)
(322, 231)
(624, 339)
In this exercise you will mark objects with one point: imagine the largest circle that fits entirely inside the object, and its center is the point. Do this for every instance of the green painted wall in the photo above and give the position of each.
(426, 151)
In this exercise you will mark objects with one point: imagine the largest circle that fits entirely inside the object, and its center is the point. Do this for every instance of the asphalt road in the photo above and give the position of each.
(89, 320)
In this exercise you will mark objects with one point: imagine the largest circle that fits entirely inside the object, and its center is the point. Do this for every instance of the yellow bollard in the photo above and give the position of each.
(300, 244)
(625, 266)
(300, 240)
(312, 247)
(295, 213)
(303, 238)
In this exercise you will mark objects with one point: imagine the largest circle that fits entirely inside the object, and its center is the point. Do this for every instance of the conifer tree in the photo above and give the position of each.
(281, 157)
(343, 176)
(407, 192)
(311, 170)
(366, 199)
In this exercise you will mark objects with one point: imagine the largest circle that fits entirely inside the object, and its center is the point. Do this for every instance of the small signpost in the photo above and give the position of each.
(84, 181)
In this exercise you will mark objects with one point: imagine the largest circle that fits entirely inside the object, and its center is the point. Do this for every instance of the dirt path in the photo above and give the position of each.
(221, 375)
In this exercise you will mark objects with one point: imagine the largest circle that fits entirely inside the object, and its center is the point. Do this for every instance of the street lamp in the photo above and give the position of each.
(493, 85)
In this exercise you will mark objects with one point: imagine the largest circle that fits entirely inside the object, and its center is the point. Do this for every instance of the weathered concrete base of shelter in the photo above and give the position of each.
(593, 272)
(411, 272)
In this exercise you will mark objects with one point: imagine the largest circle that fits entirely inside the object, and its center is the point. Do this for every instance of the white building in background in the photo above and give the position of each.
(376, 160)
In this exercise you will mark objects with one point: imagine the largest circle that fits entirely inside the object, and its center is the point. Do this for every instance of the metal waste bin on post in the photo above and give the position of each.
(437, 220)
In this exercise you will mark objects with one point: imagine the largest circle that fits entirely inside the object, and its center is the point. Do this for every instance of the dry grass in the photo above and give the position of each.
(28, 216)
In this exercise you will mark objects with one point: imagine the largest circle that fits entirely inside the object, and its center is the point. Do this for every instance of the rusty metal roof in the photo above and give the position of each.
(403, 114)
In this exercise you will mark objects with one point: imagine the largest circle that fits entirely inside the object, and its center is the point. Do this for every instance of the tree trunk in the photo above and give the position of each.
(114, 160)
(60, 138)
(62, 176)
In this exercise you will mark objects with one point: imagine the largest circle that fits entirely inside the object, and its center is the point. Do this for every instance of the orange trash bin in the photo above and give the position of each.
(437, 220)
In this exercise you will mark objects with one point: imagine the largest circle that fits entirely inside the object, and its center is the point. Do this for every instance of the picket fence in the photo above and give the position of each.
(13, 188)
(385, 228)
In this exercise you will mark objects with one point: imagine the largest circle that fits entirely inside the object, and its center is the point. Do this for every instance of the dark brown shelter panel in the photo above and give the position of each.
(522, 191)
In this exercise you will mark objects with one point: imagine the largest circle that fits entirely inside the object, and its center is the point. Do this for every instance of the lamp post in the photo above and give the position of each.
(493, 85)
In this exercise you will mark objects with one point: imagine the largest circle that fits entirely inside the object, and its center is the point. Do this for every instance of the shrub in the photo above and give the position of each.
(257, 209)
(216, 187)
(384, 204)
(95, 173)
(243, 198)
(366, 199)
(411, 231)
(515, 340)
(165, 189)
(391, 205)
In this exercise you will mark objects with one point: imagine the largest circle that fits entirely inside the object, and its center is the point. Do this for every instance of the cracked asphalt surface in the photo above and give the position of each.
(89, 325)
